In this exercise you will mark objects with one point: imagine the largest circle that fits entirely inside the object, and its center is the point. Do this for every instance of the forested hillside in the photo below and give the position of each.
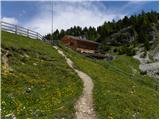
(137, 35)
(136, 29)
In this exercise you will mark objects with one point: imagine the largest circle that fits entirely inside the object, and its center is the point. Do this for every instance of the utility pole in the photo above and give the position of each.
(52, 18)
(51, 39)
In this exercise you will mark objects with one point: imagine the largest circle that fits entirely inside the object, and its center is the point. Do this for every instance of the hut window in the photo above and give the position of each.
(71, 43)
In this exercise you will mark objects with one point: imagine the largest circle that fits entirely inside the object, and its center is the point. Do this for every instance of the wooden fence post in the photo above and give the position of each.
(22, 31)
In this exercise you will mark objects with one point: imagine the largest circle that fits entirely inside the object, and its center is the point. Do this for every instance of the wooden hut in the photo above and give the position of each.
(79, 44)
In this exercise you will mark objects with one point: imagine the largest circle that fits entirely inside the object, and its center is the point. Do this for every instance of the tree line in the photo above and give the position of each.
(140, 23)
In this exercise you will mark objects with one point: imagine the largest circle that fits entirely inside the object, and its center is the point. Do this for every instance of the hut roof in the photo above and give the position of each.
(81, 39)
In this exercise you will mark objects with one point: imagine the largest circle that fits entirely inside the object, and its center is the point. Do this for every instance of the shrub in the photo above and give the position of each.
(122, 50)
(126, 50)
(104, 48)
(115, 50)
(143, 72)
(131, 52)
(144, 54)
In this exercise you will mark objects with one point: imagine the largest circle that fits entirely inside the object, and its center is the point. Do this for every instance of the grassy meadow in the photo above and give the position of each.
(36, 81)
(120, 91)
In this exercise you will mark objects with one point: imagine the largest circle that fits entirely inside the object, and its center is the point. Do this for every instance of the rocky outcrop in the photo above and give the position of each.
(152, 69)
(149, 62)
(124, 36)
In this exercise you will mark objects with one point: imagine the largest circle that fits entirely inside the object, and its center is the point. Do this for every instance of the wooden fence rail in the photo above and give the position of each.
(21, 31)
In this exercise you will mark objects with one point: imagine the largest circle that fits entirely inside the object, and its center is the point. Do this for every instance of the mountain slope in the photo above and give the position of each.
(36, 81)
(120, 91)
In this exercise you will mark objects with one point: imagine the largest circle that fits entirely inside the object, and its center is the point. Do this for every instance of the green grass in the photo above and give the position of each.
(38, 82)
(120, 91)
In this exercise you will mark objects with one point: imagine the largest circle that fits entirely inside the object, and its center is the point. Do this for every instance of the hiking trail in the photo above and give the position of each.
(84, 105)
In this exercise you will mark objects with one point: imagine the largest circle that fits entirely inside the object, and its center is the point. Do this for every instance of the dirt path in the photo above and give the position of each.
(84, 105)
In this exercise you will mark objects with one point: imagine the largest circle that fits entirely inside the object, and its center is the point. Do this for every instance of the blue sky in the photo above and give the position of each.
(36, 15)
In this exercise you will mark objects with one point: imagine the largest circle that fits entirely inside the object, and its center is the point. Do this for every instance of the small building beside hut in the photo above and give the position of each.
(79, 44)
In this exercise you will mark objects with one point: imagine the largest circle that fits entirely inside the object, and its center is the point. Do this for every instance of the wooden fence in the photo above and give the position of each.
(21, 31)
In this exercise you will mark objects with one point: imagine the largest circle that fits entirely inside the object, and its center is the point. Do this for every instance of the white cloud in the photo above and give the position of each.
(22, 13)
(68, 14)
(10, 20)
